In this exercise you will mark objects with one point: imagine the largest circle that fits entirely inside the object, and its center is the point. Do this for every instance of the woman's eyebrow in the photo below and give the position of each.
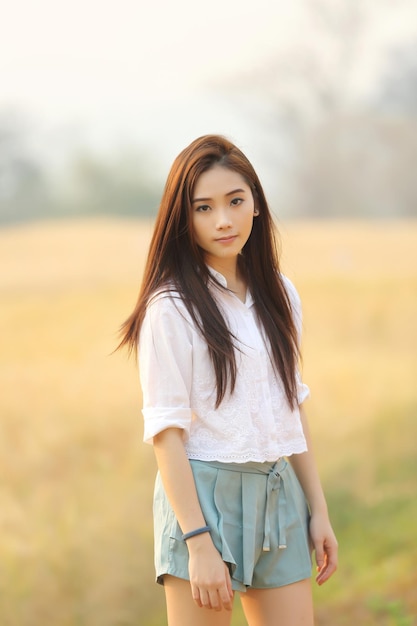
(229, 193)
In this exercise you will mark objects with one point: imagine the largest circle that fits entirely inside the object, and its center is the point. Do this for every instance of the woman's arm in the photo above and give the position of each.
(209, 576)
(321, 532)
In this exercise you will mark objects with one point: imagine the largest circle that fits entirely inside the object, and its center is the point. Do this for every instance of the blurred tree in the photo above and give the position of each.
(120, 186)
(31, 189)
(398, 92)
(359, 165)
(297, 89)
(332, 154)
(23, 186)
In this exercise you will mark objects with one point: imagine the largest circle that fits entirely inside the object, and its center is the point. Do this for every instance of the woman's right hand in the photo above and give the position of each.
(211, 585)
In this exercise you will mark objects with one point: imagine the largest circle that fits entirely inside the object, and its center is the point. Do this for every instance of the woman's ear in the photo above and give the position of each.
(256, 211)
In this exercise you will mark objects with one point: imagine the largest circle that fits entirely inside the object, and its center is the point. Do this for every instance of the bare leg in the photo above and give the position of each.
(183, 611)
(291, 605)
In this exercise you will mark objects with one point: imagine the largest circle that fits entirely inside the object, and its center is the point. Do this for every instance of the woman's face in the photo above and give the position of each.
(223, 209)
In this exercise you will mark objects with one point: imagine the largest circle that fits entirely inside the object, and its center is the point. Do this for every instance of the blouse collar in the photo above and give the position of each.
(223, 282)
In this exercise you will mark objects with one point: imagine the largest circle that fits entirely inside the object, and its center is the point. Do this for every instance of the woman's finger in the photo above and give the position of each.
(329, 565)
(196, 595)
(226, 597)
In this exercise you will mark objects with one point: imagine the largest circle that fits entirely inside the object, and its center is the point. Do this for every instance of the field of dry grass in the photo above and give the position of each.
(76, 480)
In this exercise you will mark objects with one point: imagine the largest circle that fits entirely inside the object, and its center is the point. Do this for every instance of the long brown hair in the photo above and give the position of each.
(175, 262)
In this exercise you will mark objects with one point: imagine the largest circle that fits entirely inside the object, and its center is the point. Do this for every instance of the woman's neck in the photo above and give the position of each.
(234, 278)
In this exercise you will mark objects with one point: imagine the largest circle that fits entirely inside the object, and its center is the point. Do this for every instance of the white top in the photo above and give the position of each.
(255, 423)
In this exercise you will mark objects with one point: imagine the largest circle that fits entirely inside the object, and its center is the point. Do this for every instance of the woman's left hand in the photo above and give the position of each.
(325, 546)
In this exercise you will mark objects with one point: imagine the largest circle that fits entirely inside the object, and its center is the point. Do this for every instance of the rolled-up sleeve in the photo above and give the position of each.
(165, 368)
(303, 390)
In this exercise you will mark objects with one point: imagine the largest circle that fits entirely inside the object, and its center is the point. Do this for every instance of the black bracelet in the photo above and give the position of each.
(197, 531)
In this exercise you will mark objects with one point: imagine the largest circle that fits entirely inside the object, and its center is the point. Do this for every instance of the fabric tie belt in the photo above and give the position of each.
(275, 495)
(275, 490)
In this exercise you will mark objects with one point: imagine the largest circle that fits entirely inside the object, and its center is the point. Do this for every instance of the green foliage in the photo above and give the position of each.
(390, 612)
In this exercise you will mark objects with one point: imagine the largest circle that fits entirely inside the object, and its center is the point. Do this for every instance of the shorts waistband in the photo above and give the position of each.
(249, 467)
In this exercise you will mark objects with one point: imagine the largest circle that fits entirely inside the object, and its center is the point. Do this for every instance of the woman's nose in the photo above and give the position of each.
(223, 219)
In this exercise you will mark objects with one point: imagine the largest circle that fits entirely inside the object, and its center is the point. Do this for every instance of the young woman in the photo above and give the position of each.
(238, 503)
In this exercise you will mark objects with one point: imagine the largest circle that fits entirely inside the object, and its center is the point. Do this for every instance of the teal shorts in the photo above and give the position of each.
(258, 516)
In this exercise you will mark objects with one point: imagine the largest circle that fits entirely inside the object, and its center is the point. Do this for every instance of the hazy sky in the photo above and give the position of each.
(157, 71)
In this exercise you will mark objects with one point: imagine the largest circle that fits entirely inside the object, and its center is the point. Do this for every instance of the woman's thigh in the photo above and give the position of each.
(183, 611)
(290, 605)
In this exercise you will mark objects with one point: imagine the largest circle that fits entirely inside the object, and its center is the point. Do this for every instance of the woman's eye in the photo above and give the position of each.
(236, 201)
(203, 208)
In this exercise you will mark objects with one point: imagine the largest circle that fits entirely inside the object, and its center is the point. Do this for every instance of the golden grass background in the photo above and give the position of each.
(76, 481)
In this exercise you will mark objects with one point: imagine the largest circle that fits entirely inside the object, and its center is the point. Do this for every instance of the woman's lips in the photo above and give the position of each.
(227, 239)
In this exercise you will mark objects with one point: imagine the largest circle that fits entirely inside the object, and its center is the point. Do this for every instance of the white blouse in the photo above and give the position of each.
(255, 423)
